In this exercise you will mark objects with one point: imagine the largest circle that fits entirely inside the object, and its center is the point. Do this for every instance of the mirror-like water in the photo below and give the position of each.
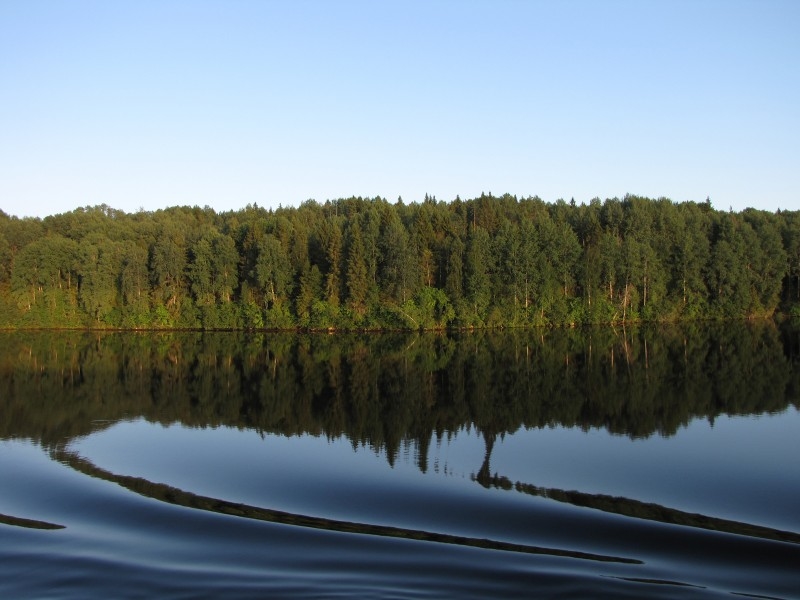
(594, 463)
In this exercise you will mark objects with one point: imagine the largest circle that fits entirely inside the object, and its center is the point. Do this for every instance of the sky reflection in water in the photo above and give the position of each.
(188, 465)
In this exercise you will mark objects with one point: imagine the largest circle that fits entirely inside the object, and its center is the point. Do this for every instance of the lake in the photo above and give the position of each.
(601, 462)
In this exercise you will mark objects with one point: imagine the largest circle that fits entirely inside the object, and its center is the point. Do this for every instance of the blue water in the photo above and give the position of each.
(653, 463)
(492, 542)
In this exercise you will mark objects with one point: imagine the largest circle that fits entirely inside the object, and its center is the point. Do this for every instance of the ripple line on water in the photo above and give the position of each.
(28, 523)
(176, 496)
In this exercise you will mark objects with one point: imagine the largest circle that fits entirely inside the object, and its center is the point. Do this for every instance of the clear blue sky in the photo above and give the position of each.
(156, 103)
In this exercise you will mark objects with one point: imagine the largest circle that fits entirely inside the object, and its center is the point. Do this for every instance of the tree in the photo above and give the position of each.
(200, 272)
(45, 277)
(589, 232)
(100, 271)
(728, 271)
(769, 260)
(454, 273)
(310, 290)
(477, 267)
(224, 259)
(359, 261)
(5, 258)
(168, 260)
(357, 281)
(134, 286)
(395, 268)
(273, 271)
(688, 260)
(331, 239)
(791, 244)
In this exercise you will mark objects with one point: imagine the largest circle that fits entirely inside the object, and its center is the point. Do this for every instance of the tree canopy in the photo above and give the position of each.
(365, 263)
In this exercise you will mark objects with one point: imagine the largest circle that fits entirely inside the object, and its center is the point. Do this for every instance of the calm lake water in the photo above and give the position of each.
(653, 462)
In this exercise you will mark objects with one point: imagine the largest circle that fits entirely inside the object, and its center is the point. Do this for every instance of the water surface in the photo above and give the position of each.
(595, 463)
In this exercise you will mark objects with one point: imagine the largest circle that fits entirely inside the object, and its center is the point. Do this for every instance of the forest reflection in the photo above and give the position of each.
(387, 391)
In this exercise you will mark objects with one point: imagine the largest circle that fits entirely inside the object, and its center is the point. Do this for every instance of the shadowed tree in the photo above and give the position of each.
(396, 259)
(100, 271)
(331, 239)
(134, 286)
(273, 271)
(357, 282)
(168, 259)
(477, 266)
(310, 290)
(224, 259)
(454, 277)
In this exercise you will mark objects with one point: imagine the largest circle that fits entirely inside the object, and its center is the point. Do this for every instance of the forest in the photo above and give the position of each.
(369, 264)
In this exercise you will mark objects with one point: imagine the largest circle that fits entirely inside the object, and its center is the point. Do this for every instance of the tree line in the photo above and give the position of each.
(361, 263)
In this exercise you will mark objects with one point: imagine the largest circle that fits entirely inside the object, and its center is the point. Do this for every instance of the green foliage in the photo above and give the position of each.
(367, 264)
(396, 266)
(430, 309)
(252, 316)
(273, 272)
(278, 317)
(324, 315)
(357, 272)
(477, 267)
(5, 259)
(100, 267)
(310, 289)
(168, 263)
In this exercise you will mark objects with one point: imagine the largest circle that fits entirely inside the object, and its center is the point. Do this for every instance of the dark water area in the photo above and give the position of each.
(619, 463)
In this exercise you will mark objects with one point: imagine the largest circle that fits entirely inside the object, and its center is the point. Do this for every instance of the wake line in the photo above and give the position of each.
(28, 523)
(641, 510)
(176, 496)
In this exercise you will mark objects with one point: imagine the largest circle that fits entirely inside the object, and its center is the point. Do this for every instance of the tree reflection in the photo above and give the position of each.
(388, 391)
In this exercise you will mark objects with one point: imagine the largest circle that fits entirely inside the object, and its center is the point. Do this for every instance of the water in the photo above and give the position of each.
(600, 463)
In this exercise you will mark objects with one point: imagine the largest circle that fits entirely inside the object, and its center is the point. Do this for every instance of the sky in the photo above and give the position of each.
(149, 104)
